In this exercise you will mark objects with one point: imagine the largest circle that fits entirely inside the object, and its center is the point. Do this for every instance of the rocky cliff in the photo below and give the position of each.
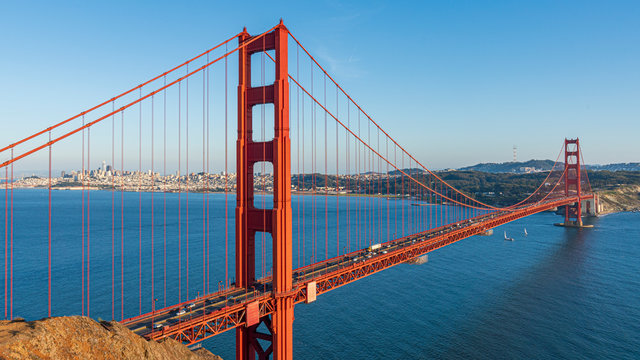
(622, 198)
(77, 337)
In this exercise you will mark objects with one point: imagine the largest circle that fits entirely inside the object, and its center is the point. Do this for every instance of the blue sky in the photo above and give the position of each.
(456, 82)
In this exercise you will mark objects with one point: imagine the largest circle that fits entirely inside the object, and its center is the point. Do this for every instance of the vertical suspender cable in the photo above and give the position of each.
(298, 140)
(313, 172)
(140, 207)
(337, 182)
(122, 216)
(153, 208)
(164, 194)
(6, 239)
(374, 183)
(403, 197)
(410, 213)
(395, 191)
(358, 163)
(179, 192)
(204, 184)
(430, 203)
(365, 184)
(264, 154)
(378, 189)
(83, 215)
(226, 177)
(388, 193)
(207, 185)
(326, 179)
(369, 201)
(446, 208)
(379, 176)
(49, 257)
(442, 204)
(11, 245)
(113, 215)
(348, 176)
(88, 222)
(304, 220)
(187, 175)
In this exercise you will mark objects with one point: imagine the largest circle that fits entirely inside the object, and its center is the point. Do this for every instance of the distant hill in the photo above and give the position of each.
(615, 167)
(542, 165)
(411, 171)
(512, 167)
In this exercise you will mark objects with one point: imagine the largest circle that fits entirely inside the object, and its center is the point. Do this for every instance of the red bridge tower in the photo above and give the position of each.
(250, 219)
(572, 213)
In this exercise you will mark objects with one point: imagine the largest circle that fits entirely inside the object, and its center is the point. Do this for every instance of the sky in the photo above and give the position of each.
(455, 82)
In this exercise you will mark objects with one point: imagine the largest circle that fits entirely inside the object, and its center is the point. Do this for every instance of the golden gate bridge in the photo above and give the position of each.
(253, 262)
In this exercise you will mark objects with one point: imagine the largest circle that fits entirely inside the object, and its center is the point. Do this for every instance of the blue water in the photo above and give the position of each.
(558, 293)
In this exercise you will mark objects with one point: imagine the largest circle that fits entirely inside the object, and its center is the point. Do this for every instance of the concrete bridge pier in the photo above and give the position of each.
(588, 207)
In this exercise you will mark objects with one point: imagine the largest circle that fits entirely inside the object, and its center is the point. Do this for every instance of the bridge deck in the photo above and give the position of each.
(198, 319)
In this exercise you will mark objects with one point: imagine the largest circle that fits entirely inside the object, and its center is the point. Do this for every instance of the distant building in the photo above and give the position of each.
(528, 170)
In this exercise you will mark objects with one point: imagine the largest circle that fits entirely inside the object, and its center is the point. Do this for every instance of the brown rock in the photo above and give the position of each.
(77, 337)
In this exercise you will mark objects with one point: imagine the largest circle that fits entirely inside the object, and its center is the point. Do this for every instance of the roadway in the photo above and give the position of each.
(203, 317)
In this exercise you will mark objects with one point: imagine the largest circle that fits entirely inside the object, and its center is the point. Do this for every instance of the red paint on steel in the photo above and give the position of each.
(253, 313)
(153, 208)
(164, 194)
(88, 224)
(11, 251)
(572, 181)
(6, 239)
(277, 221)
(122, 216)
(113, 216)
(186, 165)
(49, 226)
(83, 221)
(140, 206)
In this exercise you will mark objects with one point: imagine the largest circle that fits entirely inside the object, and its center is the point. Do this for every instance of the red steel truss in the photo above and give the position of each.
(214, 323)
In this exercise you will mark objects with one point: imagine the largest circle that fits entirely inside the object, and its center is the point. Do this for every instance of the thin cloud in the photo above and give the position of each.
(340, 66)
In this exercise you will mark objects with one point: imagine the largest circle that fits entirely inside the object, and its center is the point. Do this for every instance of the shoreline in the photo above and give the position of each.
(624, 198)
(256, 192)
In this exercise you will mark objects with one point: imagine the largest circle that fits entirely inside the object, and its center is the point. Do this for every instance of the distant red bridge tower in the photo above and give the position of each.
(572, 213)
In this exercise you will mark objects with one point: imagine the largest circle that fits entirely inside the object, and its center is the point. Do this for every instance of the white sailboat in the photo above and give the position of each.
(507, 238)
(525, 232)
